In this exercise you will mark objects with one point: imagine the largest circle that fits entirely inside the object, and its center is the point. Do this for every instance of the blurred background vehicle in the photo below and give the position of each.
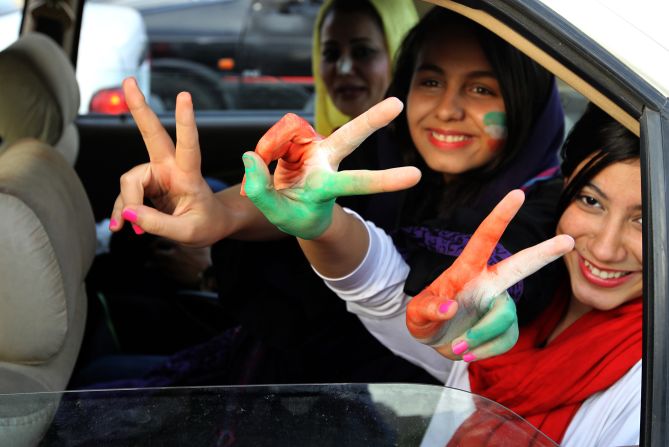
(229, 54)
(114, 45)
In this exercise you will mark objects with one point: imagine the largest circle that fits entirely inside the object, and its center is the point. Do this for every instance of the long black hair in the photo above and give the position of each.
(525, 87)
(598, 136)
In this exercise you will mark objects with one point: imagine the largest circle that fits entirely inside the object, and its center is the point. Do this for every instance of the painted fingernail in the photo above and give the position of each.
(443, 307)
(460, 347)
(137, 229)
(249, 163)
(469, 358)
(129, 215)
(112, 224)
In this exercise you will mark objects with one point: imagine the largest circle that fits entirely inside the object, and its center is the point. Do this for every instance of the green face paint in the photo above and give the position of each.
(495, 125)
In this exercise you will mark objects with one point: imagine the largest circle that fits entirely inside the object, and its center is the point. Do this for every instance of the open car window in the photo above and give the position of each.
(229, 54)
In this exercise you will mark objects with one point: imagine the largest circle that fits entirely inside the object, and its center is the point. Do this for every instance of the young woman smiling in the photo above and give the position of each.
(480, 119)
(575, 371)
(488, 93)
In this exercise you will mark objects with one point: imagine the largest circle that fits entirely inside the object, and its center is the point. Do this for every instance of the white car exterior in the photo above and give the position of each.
(114, 45)
(635, 32)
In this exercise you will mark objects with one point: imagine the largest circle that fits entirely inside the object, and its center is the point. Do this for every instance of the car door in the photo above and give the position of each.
(635, 90)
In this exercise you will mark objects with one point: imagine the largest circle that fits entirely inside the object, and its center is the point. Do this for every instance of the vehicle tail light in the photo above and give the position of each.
(226, 64)
(110, 101)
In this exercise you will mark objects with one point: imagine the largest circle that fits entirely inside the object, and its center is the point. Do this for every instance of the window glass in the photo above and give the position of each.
(229, 54)
(573, 104)
(10, 21)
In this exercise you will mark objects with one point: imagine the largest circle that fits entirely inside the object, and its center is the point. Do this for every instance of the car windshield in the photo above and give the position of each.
(290, 415)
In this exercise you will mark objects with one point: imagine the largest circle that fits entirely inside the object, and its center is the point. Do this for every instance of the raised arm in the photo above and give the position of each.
(466, 310)
(186, 210)
(300, 199)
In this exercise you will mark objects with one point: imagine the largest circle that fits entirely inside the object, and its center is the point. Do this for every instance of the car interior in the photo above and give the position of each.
(54, 191)
(49, 232)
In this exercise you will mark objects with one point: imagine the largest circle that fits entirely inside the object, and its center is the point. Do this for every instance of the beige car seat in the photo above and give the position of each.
(47, 235)
(39, 97)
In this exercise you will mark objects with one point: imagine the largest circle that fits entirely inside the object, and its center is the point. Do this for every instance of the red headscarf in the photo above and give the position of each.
(546, 384)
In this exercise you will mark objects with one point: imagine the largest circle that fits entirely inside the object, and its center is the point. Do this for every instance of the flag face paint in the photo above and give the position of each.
(495, 127)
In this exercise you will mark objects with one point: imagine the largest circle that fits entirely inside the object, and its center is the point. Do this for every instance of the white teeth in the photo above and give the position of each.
(449, 138)
(603, 274)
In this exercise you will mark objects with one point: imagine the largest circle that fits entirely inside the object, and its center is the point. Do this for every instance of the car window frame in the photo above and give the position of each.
(598, 75)
(638, 100)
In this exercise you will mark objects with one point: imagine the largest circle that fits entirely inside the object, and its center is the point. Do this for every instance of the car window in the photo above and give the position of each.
(573, 104)
(10, 21)
(229, 54)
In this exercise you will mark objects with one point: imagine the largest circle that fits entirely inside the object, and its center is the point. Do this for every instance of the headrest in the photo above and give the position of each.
(40, 95)
(47, 244)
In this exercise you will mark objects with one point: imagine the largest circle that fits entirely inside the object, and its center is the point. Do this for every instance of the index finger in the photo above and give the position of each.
(476, 253)
(349, 136)
(158, 142)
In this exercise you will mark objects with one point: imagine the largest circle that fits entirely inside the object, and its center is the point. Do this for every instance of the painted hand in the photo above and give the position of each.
(300, 197)
(172, 180)
(466, 310)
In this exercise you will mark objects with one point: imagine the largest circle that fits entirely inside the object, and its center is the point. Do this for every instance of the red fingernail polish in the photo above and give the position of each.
(112, 224)
(460, 347)
(137, 229)
(443, 307)
(469, 358)
(129, 215)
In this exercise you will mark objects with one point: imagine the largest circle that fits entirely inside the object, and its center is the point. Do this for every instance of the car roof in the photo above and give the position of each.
(634, 32)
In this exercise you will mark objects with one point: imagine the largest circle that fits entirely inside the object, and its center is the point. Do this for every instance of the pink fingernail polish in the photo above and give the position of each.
(113, 224)
(460, 347)
(129, 215)
(443, 307)
(137, 229)
(469, 358)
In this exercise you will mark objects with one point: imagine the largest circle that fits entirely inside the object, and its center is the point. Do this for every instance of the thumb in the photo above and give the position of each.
(146, 219)
(258, 183)
(426, 315)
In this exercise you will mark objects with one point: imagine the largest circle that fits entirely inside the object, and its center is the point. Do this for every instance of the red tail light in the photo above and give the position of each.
(110, 101)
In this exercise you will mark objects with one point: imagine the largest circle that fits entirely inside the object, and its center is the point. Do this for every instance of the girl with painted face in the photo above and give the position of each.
(191, 214)
(575, 372)
(480, 118)
(576, 395)
(354, 45)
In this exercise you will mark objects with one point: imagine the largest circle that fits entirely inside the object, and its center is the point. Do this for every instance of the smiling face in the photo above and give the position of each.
(455, 110)
(605, 267)
(354, 61)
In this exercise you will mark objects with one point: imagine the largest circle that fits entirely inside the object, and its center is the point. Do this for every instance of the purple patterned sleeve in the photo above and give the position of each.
(451, 243)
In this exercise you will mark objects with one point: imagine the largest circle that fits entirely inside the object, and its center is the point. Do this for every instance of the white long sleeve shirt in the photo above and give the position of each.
(375, 293)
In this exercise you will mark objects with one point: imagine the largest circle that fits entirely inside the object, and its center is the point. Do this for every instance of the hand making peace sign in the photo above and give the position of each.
(300, 198)
(185, 206)
(466, 310)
